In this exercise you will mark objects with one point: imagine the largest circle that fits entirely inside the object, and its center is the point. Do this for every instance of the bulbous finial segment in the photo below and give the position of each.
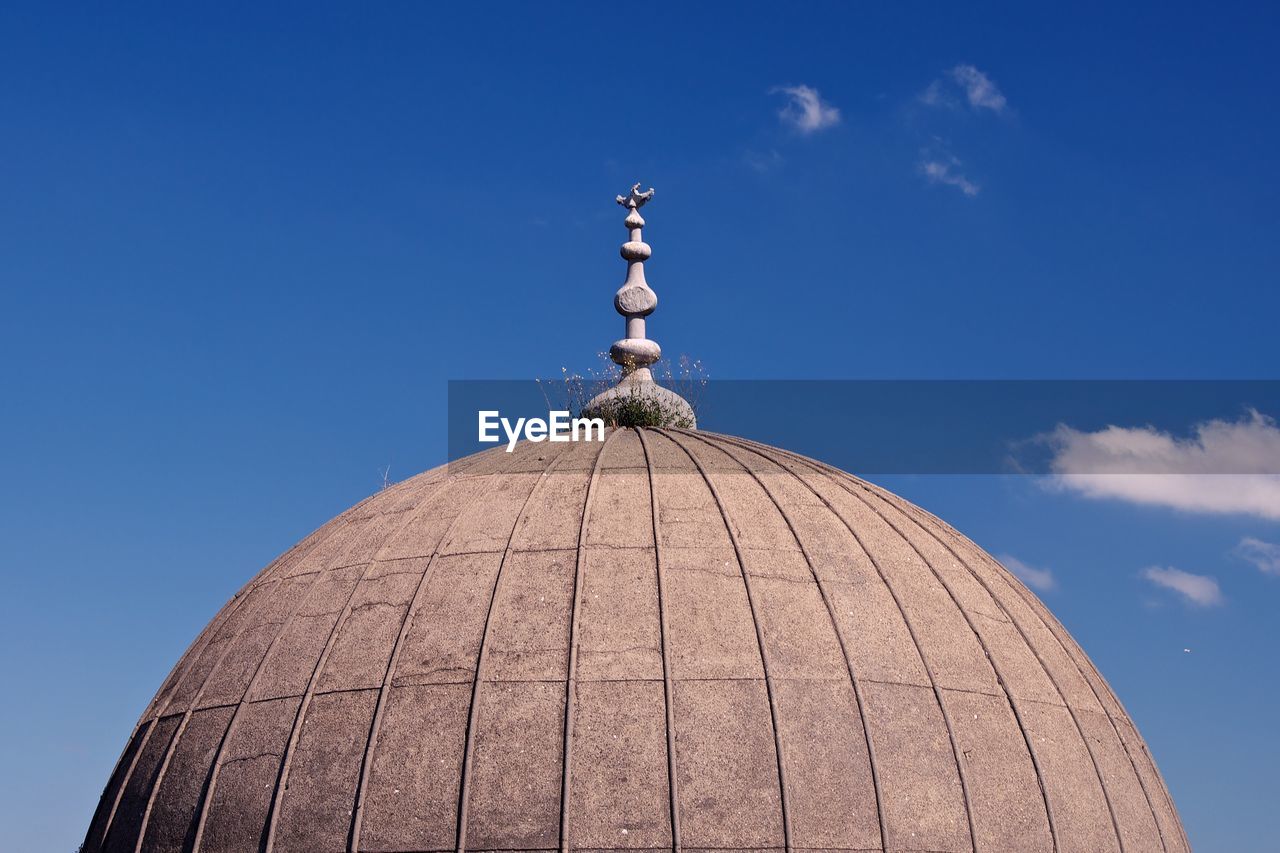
(635, 301)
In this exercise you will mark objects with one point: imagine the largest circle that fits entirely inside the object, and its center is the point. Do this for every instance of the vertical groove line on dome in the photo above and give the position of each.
(1059, 631)
(830, 606)
(1155, 771)
(1049, 625)
(571, 680)
(245, 593)
(843, 477)
(190, 658)
(1159, 778)
(207, 789)
(1097, 768)
(99, 816)
(222, 617)
(982, 643)
(473, 710)
(783, 794)
(906, 620)
(202, 641)
(1056, 630)
(191, 708)
(1115, 826)
(406, 623)
(667, 686)
(286, 760)
(207, 637)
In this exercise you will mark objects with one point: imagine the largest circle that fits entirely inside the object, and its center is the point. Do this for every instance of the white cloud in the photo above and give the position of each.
(1225, 468)
(964, 84)
(944, 171)
(1264, 555)
(805, 110)
(1041, 579)
(979, 89)
(1199, 590)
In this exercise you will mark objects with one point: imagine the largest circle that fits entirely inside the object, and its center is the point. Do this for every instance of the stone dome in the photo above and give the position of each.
(671, 639)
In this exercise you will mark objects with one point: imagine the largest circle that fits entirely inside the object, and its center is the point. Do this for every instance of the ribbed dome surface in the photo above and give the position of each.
(679, 636)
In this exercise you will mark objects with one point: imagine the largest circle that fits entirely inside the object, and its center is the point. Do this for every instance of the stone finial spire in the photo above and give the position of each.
(635, 300)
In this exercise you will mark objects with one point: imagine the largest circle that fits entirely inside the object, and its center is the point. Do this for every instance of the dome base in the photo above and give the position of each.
(639, 401)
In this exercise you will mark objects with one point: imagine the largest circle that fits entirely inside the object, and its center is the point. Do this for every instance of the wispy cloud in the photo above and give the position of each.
(964, 84)
(1224, 468)
(805, 110)
(1041, 579)
(1200, 590)
(935, 95)
(1264, 555)
(980, 90)
(762, 161)
(945, 169)
(958, 86)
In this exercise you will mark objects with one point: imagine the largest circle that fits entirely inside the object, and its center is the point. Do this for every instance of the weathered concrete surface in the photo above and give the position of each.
(681, 636)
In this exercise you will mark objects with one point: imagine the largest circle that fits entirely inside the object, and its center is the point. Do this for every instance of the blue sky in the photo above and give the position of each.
(242, 250)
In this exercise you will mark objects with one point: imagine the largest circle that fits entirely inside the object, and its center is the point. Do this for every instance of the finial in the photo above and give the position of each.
(635, 301)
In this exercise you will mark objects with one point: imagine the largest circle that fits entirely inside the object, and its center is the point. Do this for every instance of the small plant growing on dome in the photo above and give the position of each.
(633, 407)
(636, 407)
